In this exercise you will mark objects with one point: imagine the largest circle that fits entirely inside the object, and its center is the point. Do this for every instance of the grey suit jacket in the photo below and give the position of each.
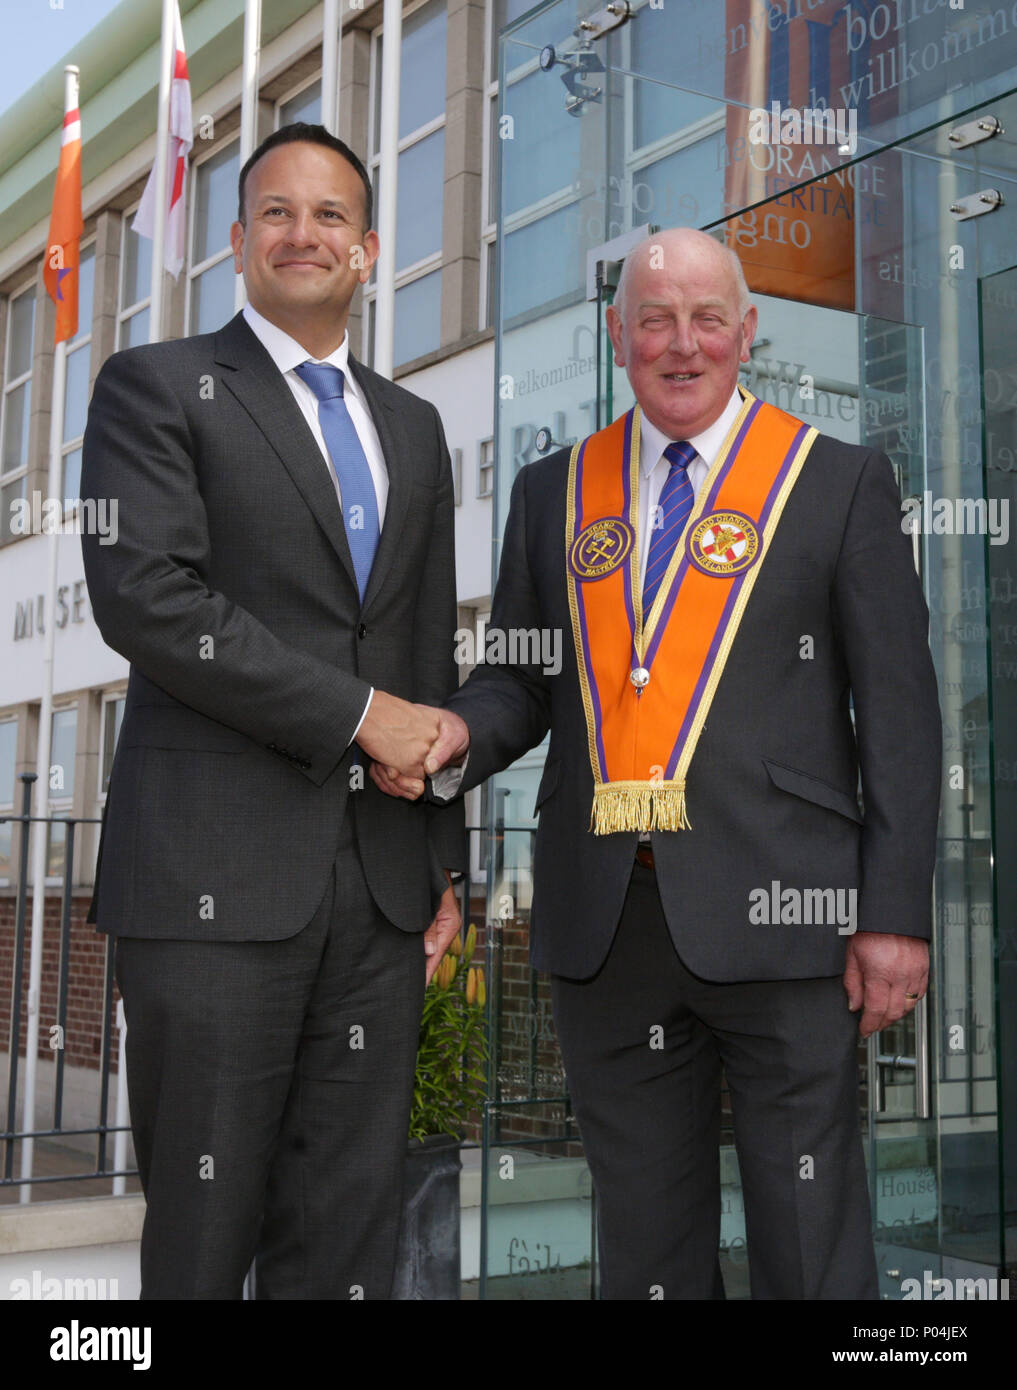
(231, 591)
(773, 786)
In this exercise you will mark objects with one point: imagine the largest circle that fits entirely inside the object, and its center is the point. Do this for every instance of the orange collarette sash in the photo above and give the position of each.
(647, 677)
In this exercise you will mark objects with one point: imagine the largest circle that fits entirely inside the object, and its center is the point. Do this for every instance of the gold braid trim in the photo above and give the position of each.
(638, 806)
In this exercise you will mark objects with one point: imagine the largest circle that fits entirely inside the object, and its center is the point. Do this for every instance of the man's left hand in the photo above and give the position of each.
(447, 924)
(887, 974)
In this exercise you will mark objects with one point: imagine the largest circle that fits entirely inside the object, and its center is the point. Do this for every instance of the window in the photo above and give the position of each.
(16, 404)
(79, 356)
(211, 282)
(61, 784)
(501, 13)
(134, 295)
(421, 181)
(302, 105)
(485, 468)
(112, 718)
(8, 791)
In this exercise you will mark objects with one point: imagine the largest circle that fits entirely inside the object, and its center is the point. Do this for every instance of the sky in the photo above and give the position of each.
(37, 34)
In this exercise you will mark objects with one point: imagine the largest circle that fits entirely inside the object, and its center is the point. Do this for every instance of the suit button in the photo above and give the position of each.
(362, 630)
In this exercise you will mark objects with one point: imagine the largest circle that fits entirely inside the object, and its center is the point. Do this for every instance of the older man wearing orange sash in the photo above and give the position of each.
(746, 642)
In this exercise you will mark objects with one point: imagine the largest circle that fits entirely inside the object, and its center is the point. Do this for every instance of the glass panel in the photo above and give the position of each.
(419, 205)
(56, 845)
(417, 317)
(8, 751)
(544, 148)
(8, 495)
(999, 377)
(86, 291)
(112, 718)
(61, 756)
(72, 475)
(16, 408)
(305, 106)
(76, 392)
(137, 281)
(212, 297)
(215, 206)
(20, 333)
(421, 71)
(681, 190)
(6, 853)
(134, 330)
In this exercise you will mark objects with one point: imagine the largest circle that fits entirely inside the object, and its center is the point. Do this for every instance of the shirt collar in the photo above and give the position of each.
(286, 352)
(652, 441)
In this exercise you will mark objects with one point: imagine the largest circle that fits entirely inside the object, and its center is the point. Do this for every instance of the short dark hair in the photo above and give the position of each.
(312, 135)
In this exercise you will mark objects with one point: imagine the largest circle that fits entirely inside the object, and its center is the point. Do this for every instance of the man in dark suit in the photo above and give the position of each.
(710, 907)
(282, 584)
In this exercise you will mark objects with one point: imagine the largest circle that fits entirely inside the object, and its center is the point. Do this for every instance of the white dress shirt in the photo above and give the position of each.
(653, 469)
(287, 354)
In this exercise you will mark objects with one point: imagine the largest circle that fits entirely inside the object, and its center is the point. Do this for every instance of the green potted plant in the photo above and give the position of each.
(448, 1087)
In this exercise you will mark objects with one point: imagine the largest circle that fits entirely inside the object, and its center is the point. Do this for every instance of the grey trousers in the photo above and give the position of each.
(270, 1086)
(643, 1043)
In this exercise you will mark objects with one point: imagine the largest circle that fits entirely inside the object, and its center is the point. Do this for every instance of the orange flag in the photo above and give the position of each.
(60, 271)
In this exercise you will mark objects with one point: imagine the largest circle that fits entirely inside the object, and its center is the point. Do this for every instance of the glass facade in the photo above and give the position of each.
(881, 249)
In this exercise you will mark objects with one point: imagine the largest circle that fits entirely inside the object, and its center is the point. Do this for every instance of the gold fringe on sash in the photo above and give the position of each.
(638, 806)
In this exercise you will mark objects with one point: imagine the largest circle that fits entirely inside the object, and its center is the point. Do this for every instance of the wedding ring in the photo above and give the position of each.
(910, 996)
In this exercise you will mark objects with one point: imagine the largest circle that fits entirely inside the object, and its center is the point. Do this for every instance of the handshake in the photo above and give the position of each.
(409, 742)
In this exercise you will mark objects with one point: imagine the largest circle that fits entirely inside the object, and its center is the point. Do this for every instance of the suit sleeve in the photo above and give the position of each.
(507, 707)
(149, 598)
(883, 623)
(434, 666)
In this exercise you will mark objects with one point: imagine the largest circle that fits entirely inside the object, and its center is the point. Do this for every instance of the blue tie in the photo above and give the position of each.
(673, 510)
(359, 499)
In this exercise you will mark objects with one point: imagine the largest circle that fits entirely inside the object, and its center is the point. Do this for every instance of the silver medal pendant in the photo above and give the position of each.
(640, 677)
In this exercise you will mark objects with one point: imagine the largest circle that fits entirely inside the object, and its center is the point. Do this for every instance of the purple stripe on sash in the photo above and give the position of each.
(581, 609)
(626, 505)
(732, 598)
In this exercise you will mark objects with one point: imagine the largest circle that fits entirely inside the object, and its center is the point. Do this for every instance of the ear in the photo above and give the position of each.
(614, 329)
(371, 248)
(237, 243)
(749, 323)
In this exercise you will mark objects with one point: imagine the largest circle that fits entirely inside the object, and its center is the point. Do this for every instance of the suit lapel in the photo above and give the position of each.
(259, 387)
(395, 448)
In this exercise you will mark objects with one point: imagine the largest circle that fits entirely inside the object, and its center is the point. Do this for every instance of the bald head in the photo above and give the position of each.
(669, 248)
(680, 324)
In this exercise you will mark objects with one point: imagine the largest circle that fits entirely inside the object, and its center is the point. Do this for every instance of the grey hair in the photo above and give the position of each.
(733, 261)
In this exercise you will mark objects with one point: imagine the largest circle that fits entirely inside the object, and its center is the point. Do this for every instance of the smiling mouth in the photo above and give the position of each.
(681, 376)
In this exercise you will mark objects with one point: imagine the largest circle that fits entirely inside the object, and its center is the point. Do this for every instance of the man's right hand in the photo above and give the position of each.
(449, 748)
(399, 734)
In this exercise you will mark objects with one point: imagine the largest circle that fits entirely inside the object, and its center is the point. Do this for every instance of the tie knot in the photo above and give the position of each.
(680, 452)
(324, 380)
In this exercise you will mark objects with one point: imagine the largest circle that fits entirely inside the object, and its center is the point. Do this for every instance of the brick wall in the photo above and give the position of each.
(85, 976)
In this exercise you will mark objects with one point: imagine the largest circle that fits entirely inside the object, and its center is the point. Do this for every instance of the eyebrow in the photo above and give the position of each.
(282, 198)
(714, 303)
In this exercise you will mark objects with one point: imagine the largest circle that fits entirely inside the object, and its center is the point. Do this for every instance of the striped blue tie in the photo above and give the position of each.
(673, 510)
(359, 499)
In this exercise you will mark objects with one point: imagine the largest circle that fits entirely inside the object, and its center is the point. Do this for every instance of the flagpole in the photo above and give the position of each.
(331, 66)
(43, 750)
(388, 146)
(249, 104)
(166, 55)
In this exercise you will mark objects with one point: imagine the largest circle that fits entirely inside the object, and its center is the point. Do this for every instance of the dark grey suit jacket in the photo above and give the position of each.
(772, 789)
(231, 591)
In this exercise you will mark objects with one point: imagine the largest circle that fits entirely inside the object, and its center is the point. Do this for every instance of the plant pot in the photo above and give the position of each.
(427, 1259)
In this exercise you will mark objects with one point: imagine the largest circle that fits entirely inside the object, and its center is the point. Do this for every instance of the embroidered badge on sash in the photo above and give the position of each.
(601, 547)
(723, 543)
